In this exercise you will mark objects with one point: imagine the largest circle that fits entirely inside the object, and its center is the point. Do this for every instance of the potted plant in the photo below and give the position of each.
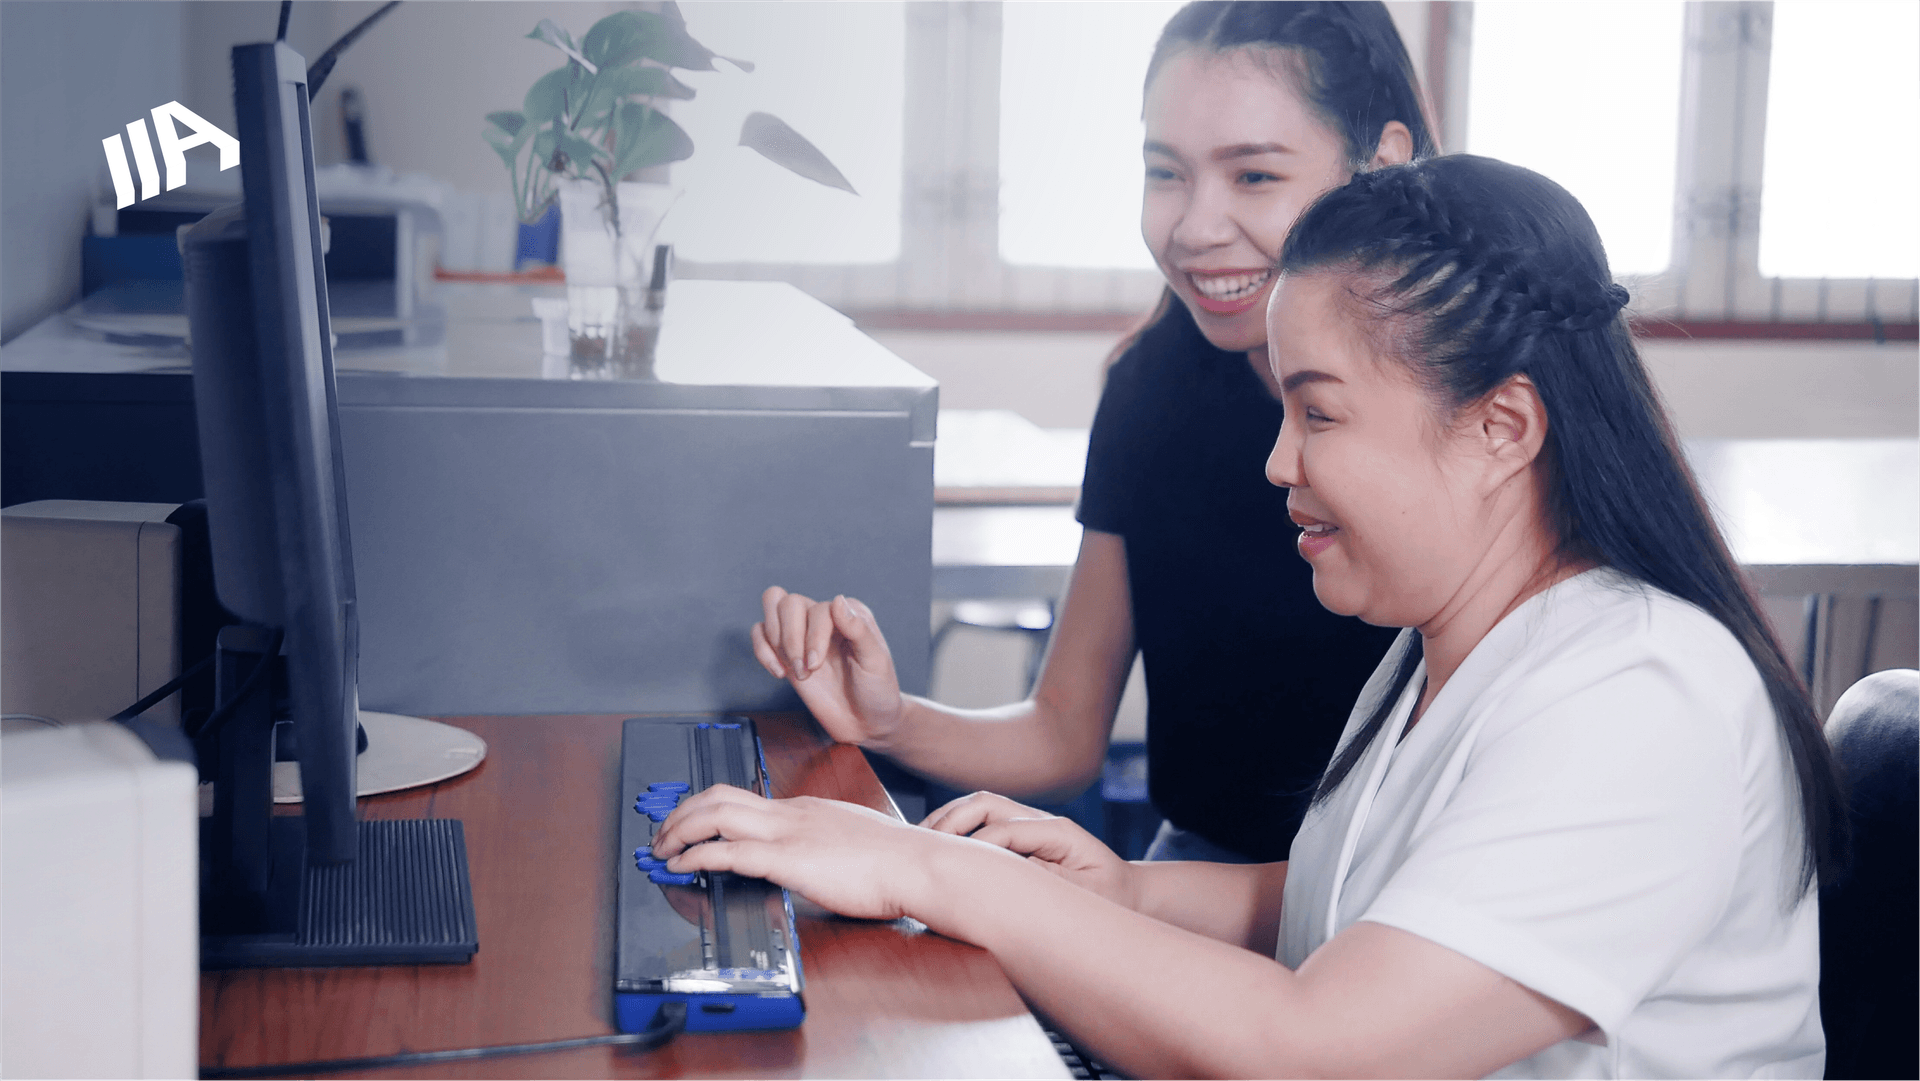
(582, 132)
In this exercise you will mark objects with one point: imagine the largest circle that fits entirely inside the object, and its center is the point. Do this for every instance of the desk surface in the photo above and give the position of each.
(713, 333)
(883, 999)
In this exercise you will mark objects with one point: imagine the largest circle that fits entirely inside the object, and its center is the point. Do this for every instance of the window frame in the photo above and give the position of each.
(949, 274)
(1723, 123)
(949, 263)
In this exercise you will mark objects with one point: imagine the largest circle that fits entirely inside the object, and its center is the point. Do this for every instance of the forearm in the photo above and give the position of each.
(1024, 750)
(1238, 904)
(1153, 999)
(1051, 745)
(1150, 997)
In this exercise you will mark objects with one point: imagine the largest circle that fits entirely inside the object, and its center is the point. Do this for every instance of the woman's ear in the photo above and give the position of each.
(1395, 147)
(1510, 425)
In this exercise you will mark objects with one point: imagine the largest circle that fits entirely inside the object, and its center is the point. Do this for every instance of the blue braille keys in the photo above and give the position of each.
(659, 800)
(643, 859)
(667, 878)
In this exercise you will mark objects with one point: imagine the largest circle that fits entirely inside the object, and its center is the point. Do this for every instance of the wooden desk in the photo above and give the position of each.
(883, 999)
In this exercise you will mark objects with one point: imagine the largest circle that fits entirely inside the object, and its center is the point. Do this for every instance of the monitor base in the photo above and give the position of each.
(402, 752)
(406, 899)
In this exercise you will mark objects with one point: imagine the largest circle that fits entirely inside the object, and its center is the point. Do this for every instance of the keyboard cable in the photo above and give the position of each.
(670, 1022)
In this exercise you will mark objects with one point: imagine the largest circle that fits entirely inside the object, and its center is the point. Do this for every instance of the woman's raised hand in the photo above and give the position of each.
(1056, 843)
(835, 656)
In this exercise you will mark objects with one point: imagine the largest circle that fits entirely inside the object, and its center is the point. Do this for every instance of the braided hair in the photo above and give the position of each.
(1488, 271)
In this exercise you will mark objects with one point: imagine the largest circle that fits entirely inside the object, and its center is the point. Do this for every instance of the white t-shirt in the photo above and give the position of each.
(1599, 805)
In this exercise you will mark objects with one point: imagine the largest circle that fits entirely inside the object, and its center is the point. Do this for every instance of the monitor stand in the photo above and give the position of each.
(398, 753)
(405, 898)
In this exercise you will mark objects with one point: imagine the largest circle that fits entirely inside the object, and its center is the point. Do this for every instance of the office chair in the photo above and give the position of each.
(1031, 619)
(1869, 986)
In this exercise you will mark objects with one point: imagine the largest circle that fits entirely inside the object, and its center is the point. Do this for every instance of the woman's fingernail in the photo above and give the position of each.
(813, 659)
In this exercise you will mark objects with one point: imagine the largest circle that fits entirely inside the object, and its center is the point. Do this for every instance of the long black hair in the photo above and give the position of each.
(1352, 69)
(1487, 270)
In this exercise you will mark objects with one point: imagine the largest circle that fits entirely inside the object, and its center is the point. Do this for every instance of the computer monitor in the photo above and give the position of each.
(322, 888)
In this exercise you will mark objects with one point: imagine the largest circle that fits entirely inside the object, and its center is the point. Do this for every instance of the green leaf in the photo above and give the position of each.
(622, 37)
(675, 47)
(507, 133)
(551, 33)
(579, 151)
(613, 86)
(543, 144)
(509, 122)
(691, 49)
(646, 137)
(787, 148)
(629, 82)
(548, 97)
(503, 144)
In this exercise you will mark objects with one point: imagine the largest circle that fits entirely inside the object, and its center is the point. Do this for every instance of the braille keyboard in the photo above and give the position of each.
(722, 944)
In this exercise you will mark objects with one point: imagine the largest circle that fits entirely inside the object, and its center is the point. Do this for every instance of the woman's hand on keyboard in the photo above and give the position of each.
(835, 656)
(855, 861)
(1056, 843)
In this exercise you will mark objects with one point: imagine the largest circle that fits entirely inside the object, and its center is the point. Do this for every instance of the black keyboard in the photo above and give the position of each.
(1081, 1065)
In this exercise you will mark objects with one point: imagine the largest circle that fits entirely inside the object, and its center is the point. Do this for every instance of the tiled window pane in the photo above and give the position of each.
(1070, 165)
(836, 73)
(1843, 106)
(1588, 94)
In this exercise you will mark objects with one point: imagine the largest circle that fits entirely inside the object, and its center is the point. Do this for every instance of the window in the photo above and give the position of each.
(1768, 106)
(1007, 184)
(1070, 166)
(836, 73)
(1587, 94)
(1836, 196)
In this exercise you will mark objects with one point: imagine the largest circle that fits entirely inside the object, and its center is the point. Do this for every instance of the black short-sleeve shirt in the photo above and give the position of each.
(1249, 679)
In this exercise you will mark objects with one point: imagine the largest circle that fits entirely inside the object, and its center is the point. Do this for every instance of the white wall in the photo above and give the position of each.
(212, 30)
(428, 73)
(74, 73)
(1788, 390)
(70, 75)
(1052, 379)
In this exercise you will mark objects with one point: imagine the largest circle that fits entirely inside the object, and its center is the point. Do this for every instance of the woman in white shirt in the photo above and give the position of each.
(1573, 824)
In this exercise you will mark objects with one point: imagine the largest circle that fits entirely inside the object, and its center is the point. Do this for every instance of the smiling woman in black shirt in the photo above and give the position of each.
(1252, 110)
